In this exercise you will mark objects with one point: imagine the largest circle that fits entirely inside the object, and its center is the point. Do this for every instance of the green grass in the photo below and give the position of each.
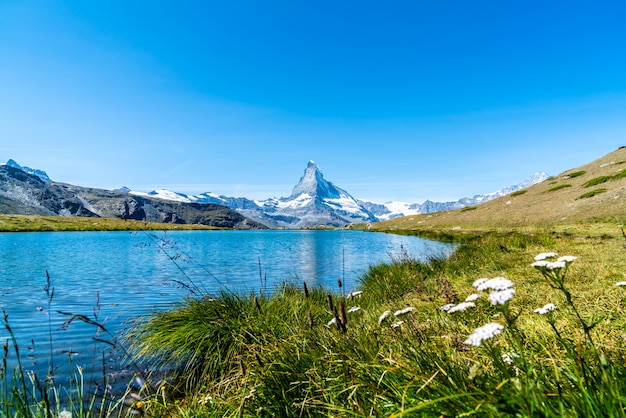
(518, 193)
(279, 354)
(620, 175)
(596, 181)
(468, 208)
(576, 174)
(592, 193)
(25, 223)
(559, 187)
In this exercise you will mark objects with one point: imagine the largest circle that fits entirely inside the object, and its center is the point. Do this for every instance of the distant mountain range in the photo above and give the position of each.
(24, 193)
(315, 201)
(391, 210)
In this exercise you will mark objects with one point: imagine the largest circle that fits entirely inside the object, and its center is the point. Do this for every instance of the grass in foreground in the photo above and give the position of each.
(434, 339)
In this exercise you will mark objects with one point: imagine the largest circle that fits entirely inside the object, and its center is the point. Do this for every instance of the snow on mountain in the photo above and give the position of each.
(314, 201)
(35, 172)
(390, 210)
(165, 195)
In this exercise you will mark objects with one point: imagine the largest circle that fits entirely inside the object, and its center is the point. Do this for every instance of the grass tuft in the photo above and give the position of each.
(559, 187)
(592, 193)
(576, 174)
(596, 181)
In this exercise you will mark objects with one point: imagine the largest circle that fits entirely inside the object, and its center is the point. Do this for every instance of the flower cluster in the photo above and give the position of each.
(461, 307)
(403, 311)
(397, 313)
(497, 283)
(509, 358)
(384, 316)
(501, 289)
(472, 297)
(500, 297)
(546, 309)
(501, 292)
(553, 269)
(483, 333)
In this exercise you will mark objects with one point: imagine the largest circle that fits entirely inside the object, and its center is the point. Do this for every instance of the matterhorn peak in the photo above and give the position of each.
(313, 184)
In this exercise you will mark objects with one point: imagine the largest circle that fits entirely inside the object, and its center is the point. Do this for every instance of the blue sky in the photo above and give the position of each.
(401, 100)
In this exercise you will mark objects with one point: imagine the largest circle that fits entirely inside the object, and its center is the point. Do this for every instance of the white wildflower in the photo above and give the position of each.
(403, 311)
(500, 297)
(65, 414)
(566, 258)
(353, 294)
(479, 282)
(620, 284)
(543, 256)
(461, 307)
(540, 263)
(497, 283)
(332, 322)
(545, 309)
(472, 297)
(397, 324)
(354, 309)
(384, 316)
(555, 265)
(484, 333)
(447, 307)
(509, 358)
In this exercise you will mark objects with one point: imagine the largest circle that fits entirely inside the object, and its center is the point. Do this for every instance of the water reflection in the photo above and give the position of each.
(113, 276)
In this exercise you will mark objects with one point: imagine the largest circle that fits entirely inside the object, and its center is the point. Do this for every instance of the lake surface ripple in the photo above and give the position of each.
(111, 277)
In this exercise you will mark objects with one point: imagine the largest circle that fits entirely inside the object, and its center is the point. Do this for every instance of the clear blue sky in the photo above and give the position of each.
(398, 100)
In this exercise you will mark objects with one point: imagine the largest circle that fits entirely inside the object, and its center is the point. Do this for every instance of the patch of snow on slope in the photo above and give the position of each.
(165, 195)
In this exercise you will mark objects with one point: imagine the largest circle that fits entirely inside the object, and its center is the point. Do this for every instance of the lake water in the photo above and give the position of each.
(110, 277)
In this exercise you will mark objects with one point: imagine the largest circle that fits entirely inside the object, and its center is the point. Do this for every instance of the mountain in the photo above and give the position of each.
(391, 210)
(592, 193)
(39, 173)
(27, 194)
(313, 202)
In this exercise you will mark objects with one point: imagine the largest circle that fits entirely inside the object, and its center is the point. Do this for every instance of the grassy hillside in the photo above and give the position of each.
(26, 223)
(594, 193)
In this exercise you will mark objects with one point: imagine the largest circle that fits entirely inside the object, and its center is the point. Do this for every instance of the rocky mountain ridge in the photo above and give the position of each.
(27, 194)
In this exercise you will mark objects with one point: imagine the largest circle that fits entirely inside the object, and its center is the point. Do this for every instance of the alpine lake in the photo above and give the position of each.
(66, 296)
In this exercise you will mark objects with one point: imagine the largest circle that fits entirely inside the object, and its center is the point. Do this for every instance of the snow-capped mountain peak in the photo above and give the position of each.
(33, 171)
(316, 201)
(313, 184)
